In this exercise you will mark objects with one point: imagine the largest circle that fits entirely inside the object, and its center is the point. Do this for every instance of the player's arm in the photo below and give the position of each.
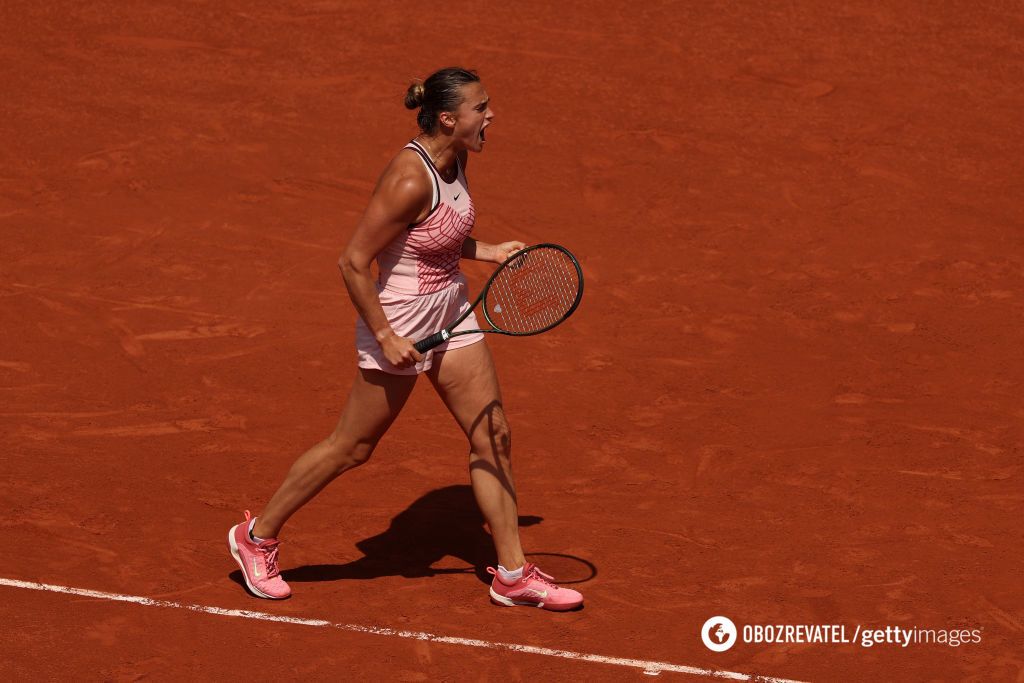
(482, 251)
(493, 253)
(397, 201)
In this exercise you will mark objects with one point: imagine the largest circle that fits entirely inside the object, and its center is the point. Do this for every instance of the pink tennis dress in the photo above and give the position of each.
(420, 287)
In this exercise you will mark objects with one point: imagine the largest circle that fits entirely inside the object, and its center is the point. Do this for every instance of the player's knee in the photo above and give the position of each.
(495, 442)
(361, 453)
(503, 439)
(345, 454)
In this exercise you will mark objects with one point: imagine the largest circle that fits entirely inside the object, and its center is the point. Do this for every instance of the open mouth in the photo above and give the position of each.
(482, 136)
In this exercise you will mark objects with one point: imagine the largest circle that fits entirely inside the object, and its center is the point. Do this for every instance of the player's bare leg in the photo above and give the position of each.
(373, 404)
(466, 381)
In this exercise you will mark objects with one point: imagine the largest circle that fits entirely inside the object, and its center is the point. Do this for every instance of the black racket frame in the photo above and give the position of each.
(444, 335)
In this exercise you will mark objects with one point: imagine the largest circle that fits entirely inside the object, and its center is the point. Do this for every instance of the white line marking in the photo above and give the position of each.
(650, 668)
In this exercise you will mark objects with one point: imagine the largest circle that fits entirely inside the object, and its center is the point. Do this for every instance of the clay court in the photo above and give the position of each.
(791, 394)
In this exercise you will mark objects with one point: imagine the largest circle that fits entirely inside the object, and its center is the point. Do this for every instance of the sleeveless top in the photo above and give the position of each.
(425, 258)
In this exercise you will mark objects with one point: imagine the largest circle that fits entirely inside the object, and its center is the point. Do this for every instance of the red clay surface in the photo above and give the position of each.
(792, 393)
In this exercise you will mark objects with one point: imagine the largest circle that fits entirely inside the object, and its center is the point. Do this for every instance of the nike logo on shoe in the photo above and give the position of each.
(457, 196)
(255, 568)
(539, 594)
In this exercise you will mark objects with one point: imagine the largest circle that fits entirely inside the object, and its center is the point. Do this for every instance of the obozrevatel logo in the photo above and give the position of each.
(718, 633)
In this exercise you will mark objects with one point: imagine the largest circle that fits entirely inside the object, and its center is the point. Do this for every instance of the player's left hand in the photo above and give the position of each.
(503, 251)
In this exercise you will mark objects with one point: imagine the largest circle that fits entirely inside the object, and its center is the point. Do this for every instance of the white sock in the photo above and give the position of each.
(506, 575)
(252, 537)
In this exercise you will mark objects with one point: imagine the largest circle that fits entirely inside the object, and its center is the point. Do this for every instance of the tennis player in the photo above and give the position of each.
(417, 228)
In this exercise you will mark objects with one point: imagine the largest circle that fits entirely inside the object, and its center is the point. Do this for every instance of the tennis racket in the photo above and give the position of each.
(532, 291)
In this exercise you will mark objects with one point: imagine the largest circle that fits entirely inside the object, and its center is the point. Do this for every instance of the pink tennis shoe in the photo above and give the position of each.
(535, 589)
(258, 562)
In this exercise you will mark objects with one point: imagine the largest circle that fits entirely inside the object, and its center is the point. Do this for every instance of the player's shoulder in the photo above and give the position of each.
(405, 174)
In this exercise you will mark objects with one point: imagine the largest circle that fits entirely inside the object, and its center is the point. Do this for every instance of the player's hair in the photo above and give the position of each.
(439, 93)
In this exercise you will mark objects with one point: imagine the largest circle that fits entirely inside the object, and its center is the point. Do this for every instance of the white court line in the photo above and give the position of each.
(649, 667)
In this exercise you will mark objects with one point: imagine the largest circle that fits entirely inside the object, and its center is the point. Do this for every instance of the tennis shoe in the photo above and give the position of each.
(534, 589)
(258, 562)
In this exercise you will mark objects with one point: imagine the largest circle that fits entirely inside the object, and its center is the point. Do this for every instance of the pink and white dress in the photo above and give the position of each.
(420, 286)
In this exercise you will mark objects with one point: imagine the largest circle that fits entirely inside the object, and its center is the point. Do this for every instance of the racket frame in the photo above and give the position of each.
(444, 335)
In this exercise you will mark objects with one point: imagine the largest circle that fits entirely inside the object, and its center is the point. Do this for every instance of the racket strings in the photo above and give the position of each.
(534, 292)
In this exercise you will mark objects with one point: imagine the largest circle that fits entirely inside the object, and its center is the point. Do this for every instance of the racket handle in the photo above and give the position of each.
(433, 340)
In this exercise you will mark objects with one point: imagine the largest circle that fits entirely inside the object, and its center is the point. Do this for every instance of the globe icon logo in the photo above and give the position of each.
(718, 633)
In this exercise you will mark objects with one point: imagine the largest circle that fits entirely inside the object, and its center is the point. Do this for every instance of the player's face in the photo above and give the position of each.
(473, 116)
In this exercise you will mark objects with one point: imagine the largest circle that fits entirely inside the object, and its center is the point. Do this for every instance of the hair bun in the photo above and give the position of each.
(414, 96)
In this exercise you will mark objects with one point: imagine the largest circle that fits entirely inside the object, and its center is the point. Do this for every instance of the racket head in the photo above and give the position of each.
(534, 290)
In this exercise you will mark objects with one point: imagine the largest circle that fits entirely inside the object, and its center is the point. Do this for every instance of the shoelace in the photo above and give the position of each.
(538, 575)
(270, 558)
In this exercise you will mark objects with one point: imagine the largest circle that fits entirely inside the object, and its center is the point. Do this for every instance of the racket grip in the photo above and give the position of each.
(430, 342)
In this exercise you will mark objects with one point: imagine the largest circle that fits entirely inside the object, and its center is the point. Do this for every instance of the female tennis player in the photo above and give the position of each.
(417, 227)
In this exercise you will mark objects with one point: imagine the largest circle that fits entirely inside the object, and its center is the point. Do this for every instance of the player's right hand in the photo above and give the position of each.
(400, 351)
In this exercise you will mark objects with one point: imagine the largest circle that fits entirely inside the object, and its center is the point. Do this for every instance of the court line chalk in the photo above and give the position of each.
(651, 668)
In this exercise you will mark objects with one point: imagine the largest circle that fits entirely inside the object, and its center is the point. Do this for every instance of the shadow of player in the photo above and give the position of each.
(444, 522)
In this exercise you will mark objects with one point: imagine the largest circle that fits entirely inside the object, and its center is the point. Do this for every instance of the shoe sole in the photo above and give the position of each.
(233, 547)
(508, 602)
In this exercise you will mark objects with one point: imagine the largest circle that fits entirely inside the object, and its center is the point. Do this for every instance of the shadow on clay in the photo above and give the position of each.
(442, 523)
